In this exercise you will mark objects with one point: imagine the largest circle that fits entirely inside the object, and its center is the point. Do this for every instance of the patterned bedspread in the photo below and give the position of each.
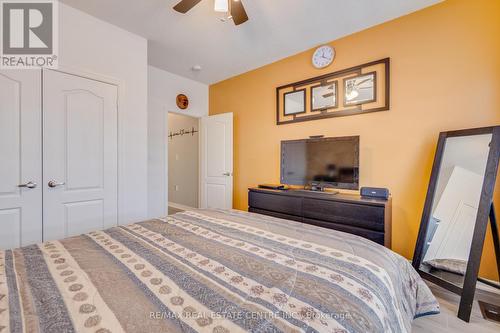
(210, 271)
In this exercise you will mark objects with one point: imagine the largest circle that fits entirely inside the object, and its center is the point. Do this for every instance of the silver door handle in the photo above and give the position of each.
(28, 185)
(53, 184)
(227, 174)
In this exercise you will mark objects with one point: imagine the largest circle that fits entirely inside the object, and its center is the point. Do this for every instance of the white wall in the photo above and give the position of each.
(91, 45)
(163, 87)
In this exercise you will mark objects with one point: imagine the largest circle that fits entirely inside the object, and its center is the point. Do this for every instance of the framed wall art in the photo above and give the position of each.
(360, 89)
(294, 102)
(324, 96)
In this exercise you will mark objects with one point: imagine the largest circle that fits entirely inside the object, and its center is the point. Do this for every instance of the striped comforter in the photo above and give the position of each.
(210, 271)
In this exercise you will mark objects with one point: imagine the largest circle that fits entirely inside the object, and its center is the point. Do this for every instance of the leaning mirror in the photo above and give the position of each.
(457, 210)
(454, 208)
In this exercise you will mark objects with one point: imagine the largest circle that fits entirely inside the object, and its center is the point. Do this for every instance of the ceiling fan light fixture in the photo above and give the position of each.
(352, 94)
(233, 10)
(221, 6)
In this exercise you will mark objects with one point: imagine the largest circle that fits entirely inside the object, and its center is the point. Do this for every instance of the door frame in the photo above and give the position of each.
(168, 203)
(167, 165)
(160, 109)
(120, 140)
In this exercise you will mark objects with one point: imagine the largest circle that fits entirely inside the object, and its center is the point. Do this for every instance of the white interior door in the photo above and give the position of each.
(20, 158)
(456, 214)
(217, 161)
(79, 155)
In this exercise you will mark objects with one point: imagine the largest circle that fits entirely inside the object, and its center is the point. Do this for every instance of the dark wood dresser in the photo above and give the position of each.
(365, 217)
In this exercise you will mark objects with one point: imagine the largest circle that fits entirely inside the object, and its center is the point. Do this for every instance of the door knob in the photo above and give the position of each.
(227, 174)
(30, 185)
(53, 184)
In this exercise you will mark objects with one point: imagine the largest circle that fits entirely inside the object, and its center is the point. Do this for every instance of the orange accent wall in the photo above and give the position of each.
(445, 75)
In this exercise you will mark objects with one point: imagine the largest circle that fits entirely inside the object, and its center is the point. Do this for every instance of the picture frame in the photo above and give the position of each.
(324, 96)
(381, 94)
(294, 102)
(360, 89)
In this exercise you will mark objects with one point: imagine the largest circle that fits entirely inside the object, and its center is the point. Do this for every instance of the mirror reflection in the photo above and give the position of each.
(455, 206)
(324, 97)
(295, 102)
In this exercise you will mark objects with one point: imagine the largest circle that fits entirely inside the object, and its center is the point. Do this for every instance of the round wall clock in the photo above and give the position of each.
(182, 101)
(323, 56)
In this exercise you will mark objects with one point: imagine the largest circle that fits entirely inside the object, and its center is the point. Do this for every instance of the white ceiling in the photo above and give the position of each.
(276, 29)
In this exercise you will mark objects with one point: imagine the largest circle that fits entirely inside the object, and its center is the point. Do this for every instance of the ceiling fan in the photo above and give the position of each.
(327, 95)
(352, 90)
(234, 8)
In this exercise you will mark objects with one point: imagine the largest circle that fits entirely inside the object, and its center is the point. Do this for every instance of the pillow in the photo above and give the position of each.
(451, 265)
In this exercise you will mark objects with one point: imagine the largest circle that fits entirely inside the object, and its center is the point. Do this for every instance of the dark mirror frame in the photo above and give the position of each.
(485, 212)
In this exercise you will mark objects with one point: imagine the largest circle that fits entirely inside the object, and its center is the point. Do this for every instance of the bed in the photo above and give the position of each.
(210, 271)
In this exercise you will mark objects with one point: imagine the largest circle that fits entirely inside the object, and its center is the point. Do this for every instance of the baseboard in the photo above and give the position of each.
(180, 206)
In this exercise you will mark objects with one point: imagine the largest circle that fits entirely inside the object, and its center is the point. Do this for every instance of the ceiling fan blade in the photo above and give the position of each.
(363, 82)
(185, 5)
(238, 12)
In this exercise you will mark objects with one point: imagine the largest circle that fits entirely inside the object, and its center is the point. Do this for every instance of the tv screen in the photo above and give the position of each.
(332, 162)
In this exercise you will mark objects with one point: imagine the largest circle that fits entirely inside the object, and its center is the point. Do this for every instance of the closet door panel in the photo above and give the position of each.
(84, 115)
(10, 135)
(80, 155)
(20, 158)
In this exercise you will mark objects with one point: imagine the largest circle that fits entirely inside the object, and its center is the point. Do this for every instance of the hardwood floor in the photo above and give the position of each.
(447, 320)
(172, 210)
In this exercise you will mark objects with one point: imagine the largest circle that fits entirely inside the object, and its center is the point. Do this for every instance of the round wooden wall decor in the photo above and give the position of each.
(182, 101)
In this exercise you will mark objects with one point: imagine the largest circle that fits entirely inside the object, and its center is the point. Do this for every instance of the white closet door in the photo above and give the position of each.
(79, 155)
(20, 158)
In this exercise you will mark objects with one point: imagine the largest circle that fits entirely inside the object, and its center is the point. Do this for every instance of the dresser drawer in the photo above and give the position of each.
(364, 216)
(275, 214)
(276, 203)
(375, 236)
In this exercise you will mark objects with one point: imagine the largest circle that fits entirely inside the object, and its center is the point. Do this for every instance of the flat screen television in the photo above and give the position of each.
(321, 162)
